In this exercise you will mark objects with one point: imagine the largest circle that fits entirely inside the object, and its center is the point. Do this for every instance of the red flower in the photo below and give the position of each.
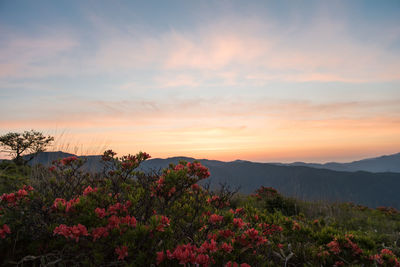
(99, 232)
(203, 259)
(195, 187)
(179, 167)
(334, 246)
(89, 190)
(164, 222)
(386, 251)
(226, 233)
(52, 168)
(69, 160)
(4, 231)
(171, 191)
(231, 264)
(215, 218)
(73, 232)
(122, 252)
(238, 222)
(160, 257)
(211, 247)
(113, 222)
(131, 221)
(227, 247)
(252, 233)
(296, 226)
(101, 213)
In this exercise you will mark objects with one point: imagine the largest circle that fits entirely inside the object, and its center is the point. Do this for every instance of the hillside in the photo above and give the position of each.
(74, 218)
(361, 187)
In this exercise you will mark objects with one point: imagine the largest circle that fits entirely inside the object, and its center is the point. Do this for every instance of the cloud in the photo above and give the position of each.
(24, 56)
(253, 51)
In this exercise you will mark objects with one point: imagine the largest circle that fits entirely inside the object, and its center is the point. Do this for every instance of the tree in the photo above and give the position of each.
(26, 143)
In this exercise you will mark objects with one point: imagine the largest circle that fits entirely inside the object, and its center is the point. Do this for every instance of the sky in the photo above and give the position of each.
(265, 81)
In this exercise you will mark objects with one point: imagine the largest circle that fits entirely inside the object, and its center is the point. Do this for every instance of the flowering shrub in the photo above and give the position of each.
(125, 216)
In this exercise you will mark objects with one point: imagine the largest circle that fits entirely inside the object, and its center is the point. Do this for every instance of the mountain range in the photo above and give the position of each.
(387, 163)
(371, 182)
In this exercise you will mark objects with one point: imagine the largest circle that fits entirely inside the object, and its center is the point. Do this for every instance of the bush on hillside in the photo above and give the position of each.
(124, 216)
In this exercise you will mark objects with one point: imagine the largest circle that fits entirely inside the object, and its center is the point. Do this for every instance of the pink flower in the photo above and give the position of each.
(122, 252)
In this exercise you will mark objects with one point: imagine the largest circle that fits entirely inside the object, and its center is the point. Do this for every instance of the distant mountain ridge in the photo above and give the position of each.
(304, 182)
(387, 163)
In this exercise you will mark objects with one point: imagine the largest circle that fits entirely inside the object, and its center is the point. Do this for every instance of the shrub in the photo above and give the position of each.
(125, 216)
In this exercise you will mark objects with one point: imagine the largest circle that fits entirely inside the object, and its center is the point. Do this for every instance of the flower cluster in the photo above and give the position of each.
(386, 258)
(187, 253)
(163, 222)
(265, 192)
(73, 232)
(217, 202)
(215, 218)
(12, 198)
(122, 252)
(235, 264)
(63, 205)
(88, 190)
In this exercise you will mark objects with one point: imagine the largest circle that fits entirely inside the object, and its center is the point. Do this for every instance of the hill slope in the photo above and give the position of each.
(366, 188)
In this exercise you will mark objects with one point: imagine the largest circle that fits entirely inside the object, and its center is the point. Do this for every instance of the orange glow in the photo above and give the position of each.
(261, 140)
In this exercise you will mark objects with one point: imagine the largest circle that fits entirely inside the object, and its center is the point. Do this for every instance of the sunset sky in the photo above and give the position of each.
(256, 80)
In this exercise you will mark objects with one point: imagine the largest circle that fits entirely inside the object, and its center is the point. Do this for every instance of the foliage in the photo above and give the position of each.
(28, 142)
(12, 176)
(126, 217)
